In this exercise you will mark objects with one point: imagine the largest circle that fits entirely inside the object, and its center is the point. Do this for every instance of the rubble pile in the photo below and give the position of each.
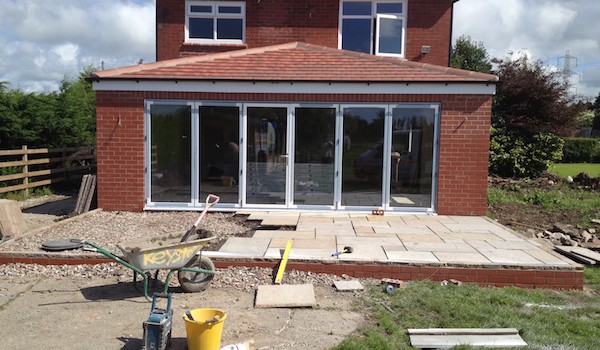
(569, 235)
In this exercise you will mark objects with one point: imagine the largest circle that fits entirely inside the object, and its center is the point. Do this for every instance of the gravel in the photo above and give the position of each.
(107, 229)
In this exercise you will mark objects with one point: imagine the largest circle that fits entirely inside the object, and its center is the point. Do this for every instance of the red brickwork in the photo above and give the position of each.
(567, 278)
(463, 158)
(271, 22)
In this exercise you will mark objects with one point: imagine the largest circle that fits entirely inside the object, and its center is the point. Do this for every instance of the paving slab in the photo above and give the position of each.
(257, 216)
(315, 219)
(411, 228)
(439, 247)
(479, 244)
(301, 254)
(522, 245)
(546, 257)
(280, 221)
(479, 236)
(418, 237)
(410, 256)
(509, 256)
(468, 258)
(284, 234)
(310, 243)
(364, 231)
(444, 338)
(363, 253)
(248, 246)
(285, 295)
(348, 286)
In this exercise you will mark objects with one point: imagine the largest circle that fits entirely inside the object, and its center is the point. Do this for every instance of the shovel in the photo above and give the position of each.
(211, 200)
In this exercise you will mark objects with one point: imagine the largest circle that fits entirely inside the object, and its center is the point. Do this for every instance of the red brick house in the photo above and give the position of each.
(296, 104)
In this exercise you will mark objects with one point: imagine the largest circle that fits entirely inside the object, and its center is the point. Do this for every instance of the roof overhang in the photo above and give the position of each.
(296, 87)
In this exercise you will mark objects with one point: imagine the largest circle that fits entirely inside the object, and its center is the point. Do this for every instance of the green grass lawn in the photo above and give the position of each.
(573, 169)
(546, 319)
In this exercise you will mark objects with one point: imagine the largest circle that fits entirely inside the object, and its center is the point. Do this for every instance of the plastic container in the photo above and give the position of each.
(205, 330)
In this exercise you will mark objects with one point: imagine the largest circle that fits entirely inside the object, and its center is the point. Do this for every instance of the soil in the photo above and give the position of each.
(103, 313)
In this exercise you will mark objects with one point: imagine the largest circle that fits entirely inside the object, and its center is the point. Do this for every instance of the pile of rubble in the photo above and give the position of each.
(569, 235)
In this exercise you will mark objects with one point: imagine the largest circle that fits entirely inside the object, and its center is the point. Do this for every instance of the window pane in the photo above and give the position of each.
(412, 157)
(390, 35)
(314, 156)
(392, 7)
(201, 28)
(230, 9)
(170, 153)
(266, 162)
(201, 9)
(356, 35)
(219, 152)
(357, 8)
(229, 28)
(362, 162)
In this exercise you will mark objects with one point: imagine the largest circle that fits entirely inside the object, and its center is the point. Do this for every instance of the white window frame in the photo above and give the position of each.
(375, 18)
(215, 16)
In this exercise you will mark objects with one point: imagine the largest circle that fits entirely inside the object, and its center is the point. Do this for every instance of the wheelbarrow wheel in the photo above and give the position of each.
(196, 281)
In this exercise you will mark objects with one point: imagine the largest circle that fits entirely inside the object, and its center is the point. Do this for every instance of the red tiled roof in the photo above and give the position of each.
(294, 62)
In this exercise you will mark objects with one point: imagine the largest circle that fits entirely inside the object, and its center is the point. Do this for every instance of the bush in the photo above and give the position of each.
(581, 150)
(523, 156)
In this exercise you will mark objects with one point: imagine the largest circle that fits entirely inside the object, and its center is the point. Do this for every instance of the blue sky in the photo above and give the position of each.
(42, 41)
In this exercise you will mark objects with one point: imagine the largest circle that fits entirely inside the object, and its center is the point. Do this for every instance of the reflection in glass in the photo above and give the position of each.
(219, 152)
(412, 156)
(314, 156)
(170, 153)
(267, 159)
(390, 35)
(356, 34)
(362, 167)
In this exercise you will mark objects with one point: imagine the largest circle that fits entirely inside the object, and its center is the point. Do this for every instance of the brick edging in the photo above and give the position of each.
(555, 278)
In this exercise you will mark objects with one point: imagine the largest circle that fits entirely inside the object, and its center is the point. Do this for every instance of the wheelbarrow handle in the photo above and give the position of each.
(211, 200)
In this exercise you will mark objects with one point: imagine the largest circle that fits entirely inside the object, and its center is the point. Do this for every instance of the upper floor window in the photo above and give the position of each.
(374, 27)
(215, 21)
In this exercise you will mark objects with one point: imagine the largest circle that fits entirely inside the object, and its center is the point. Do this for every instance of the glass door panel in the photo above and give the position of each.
(266, 162)
(413, 136)
(170, 153)
(219, 152)
(314, 156)
(362, 160)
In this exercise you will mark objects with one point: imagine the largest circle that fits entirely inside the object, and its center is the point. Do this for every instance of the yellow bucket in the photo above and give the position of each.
(204, 332)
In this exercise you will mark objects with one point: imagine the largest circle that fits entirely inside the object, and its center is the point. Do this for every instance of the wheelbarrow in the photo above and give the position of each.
(170, 252)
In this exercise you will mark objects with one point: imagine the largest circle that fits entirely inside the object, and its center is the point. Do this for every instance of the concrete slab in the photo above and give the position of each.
(467, 258)
(280, 221)
(410, 256)
(508, 256)
(439, 247)
(284, 234)
(285, 295)
(246, 245)
(348, 286)
(445, 338)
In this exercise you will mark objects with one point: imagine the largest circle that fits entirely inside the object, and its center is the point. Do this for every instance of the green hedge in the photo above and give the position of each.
(581, 150)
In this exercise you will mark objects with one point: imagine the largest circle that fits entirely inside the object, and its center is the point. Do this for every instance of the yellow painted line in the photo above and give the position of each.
(283, 263)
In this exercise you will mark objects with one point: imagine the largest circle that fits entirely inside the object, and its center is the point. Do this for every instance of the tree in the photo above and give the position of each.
(531, 99)
(596, 108)
(470, 55)
(531, 109)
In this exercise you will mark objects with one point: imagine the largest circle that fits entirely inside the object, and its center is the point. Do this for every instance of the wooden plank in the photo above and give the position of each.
(31, 185)
(285, 295)
(568, 251)
(90, 193)
(283, 263)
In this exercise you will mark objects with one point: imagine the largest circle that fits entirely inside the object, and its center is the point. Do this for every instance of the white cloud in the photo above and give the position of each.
(42, 41)
(543, 29)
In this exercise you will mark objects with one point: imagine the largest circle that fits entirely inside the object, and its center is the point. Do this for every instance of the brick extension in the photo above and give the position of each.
(271, 22)
(564, 278)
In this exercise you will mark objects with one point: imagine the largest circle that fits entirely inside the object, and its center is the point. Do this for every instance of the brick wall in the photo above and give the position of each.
(464, 143)
(271, 22)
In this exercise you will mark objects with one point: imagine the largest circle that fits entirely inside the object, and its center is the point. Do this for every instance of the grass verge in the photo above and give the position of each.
(546, 319)
(573, 169)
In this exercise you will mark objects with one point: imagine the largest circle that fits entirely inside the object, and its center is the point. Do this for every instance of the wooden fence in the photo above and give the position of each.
(22, 169)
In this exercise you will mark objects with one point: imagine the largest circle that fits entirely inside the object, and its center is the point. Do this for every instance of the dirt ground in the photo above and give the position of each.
(100, 313)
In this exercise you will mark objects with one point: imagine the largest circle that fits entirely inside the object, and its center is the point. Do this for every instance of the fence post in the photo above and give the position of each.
(25, 170)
